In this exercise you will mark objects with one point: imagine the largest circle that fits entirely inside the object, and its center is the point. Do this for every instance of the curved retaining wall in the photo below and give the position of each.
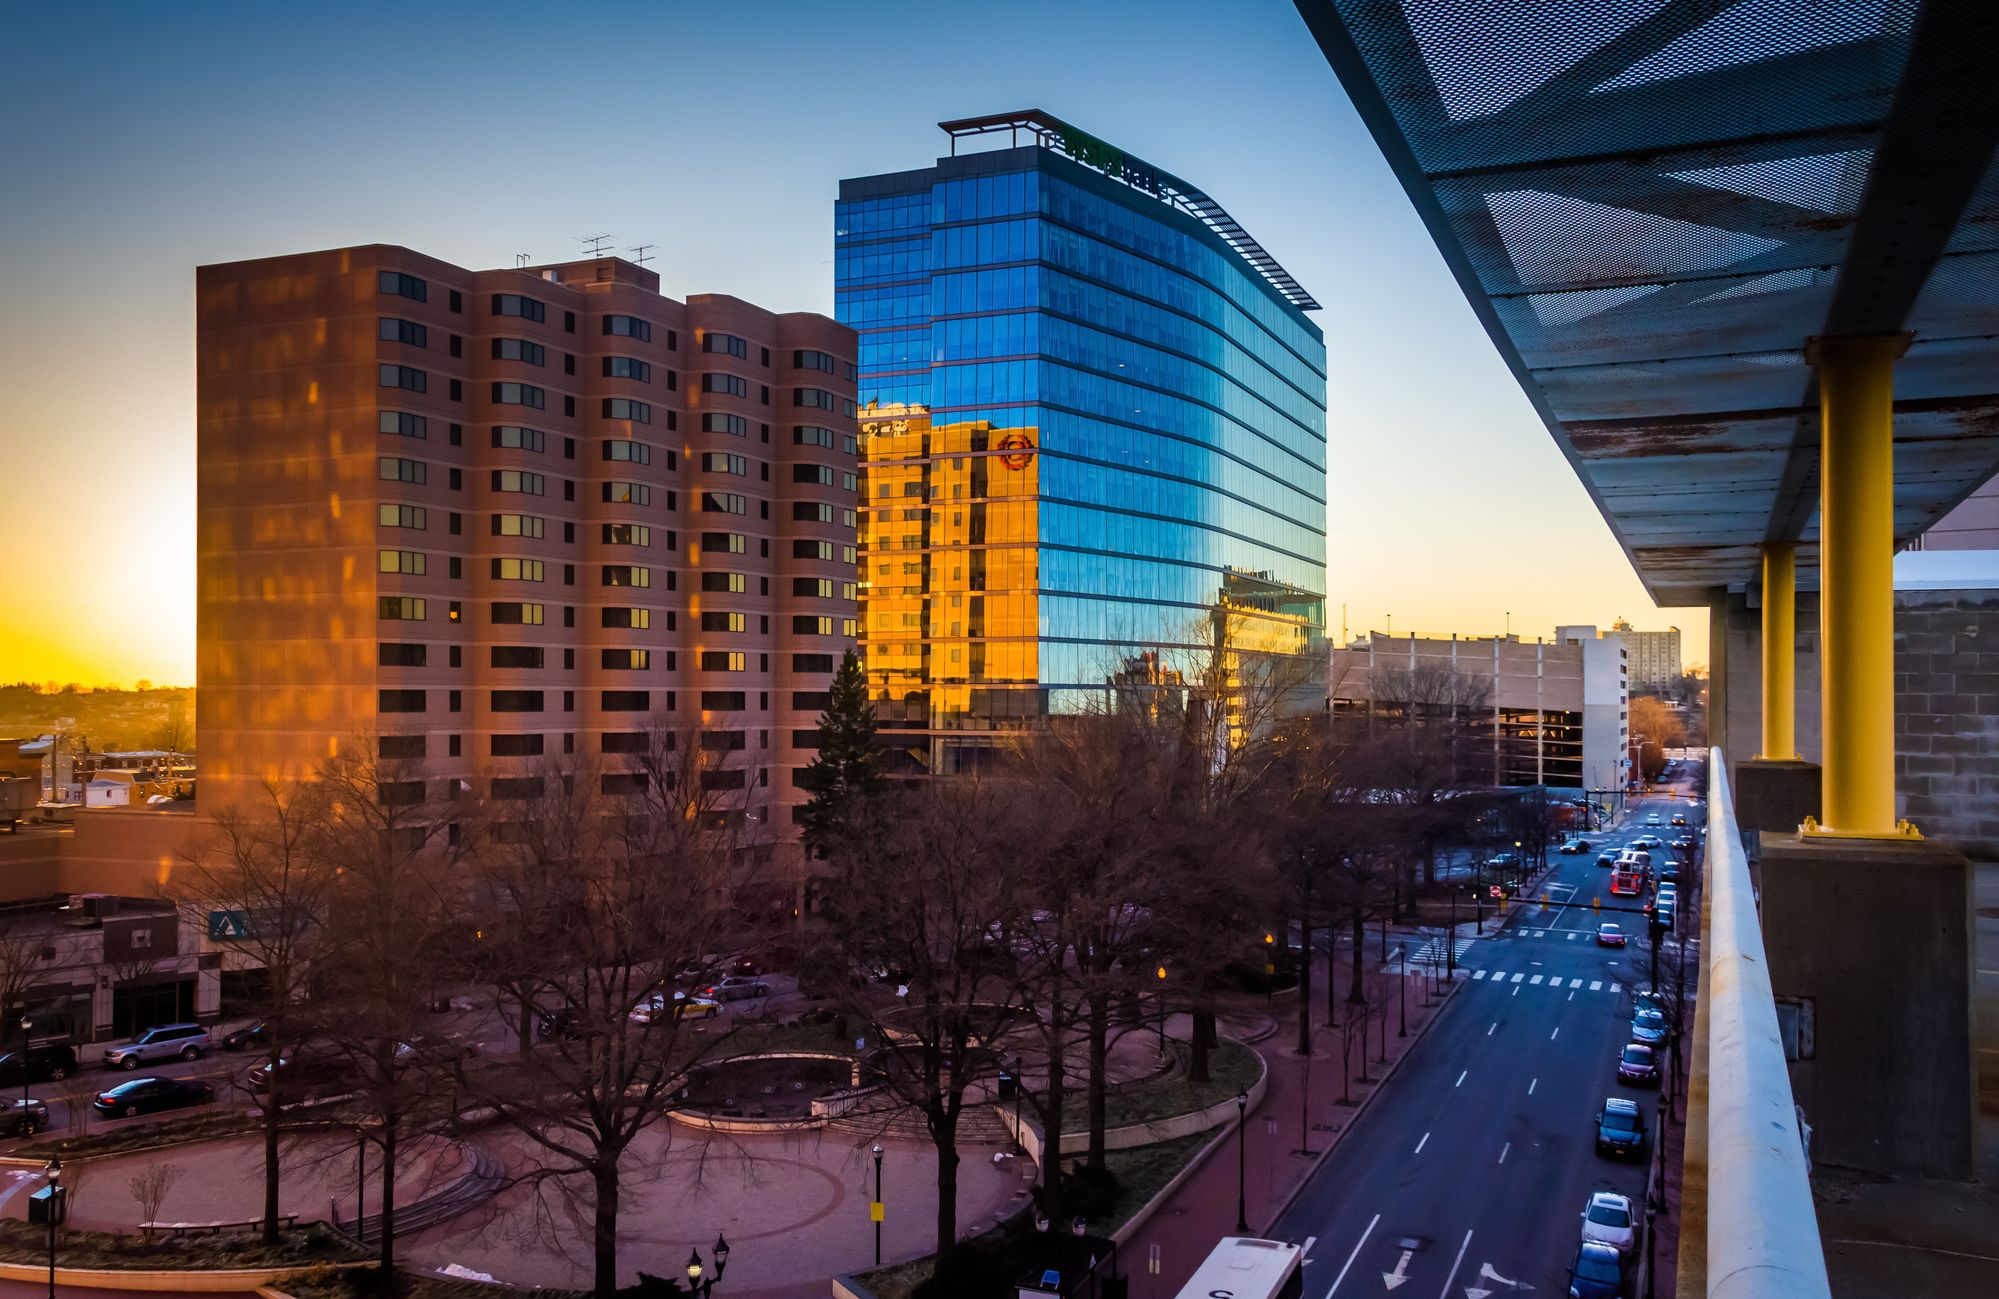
(1028, 1134)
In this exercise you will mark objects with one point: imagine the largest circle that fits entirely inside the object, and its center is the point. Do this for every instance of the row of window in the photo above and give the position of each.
(395, 699)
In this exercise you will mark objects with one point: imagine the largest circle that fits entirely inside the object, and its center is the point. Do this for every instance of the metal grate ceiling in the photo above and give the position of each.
(1653, 204)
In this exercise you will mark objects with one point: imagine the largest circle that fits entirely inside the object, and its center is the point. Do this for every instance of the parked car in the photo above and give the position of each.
(1609, 935)
(1597, 1273)
(24, 1118)
(1648, 1027)
(1638, 1065)
(308, 1072)
(186, 1041)
(249, 1037)
(1646, 999)
(1608, 857)
(1669, 915)
(561, 1022)
(735, 988)
(148, 1095)
(1669, 870)
(1608, 1221)
(1620, 1128)
(684, 1007)
(749, 964)
(41, 1062)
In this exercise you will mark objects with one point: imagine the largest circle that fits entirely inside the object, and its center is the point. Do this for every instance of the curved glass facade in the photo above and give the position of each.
(1092, 436)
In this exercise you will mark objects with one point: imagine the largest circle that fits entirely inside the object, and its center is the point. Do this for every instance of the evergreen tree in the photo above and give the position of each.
(846, 774)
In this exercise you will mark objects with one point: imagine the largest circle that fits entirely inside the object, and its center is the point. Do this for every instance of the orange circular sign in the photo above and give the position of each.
(1016, 451)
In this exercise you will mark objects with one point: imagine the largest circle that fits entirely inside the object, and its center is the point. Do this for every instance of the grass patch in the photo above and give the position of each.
(193, 1127)
(313, 1243)
(364, 1283)
(761, 1038)
(985, 1266)
(1232, 1068)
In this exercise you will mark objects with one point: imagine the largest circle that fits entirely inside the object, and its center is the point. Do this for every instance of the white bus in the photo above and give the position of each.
(1243, 1267)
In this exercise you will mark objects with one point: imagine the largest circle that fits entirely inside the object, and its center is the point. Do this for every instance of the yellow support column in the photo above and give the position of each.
(1857, 581)
(1780, 658)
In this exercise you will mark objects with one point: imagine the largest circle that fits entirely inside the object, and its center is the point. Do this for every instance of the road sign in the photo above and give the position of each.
(1495, 891)
(228, 924)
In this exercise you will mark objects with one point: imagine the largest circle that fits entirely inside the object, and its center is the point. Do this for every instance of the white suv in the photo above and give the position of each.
(1608, 1221)
(187, 1041)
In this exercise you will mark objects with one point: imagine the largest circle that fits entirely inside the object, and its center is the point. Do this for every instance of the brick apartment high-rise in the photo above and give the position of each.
(493, 517)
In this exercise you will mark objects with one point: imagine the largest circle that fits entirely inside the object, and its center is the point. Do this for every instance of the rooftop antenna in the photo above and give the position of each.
(596, 244)
(641, 253)
(520, 261)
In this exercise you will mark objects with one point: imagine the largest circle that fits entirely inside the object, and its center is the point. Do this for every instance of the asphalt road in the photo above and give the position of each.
(1468, 1176)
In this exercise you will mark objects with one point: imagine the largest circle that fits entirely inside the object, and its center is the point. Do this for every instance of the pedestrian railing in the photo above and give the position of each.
(1762, 1234)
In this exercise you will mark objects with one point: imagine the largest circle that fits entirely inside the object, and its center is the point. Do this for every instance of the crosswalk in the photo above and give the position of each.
(1547, 982)
(1429, 956)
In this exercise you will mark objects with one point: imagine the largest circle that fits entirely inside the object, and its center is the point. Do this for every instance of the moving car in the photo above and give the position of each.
(1609, 935)
(735, 988)
(1653, 819)
(1648, 841)
(41, 1062)
(186, 1041)
(1608, 1221)
(1597, 1273)
(1608, 857)
(684, 1007)
(1648, 1027)
(24, 1118)
(1570, 847)
(306, 1072)
(1685, 843)
(147, 1095)
(1679, 818)
(1638, 1065)
(1620, 1128)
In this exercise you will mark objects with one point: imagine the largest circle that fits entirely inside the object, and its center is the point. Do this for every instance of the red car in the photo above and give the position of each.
(1639, 1064)
(1609, 935)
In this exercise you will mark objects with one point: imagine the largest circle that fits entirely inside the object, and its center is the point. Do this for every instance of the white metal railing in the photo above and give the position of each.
(1762, 1229)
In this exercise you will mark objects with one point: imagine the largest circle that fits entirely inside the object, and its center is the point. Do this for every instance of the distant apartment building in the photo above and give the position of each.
(1093, 433)
(1654, 656)
(493, 518)
(1539, 713)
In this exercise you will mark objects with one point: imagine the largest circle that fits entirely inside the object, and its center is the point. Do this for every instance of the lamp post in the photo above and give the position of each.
(697, 1282)
(1241, 1162)
(26, 1025)
(54, 1171)
(880, 1207)
(1519, 864)
(1451, 944)
(1162, 1012)
(1019, 1083)
(1402, 992)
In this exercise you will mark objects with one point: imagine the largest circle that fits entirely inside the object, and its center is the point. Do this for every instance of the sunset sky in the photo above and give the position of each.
(145, 140)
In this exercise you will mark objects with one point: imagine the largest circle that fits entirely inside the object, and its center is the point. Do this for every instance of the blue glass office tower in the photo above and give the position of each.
(1093, 434)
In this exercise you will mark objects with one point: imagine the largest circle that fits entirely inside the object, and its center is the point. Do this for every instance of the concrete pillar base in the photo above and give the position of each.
(1775, 796)
(1870, 945)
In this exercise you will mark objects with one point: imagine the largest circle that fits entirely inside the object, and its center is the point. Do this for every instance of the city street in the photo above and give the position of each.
(1469, 1175)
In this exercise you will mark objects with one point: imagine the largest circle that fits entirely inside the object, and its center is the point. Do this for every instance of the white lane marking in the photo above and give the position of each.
(1573, 935)
(1420, 1144)
(1536, 979)
(1518, 977)
(1478, 974)
(1516, 992)
(1575, 983)
(1557, 1033)
(1502, 1154)
(1461, 1079)
(1455, 1265)
(1532, 1084)
(1572, 996)
(1596, 985)
(1613, 987)
(1351, 1257)
(1494, 1029)
(1306, 1252)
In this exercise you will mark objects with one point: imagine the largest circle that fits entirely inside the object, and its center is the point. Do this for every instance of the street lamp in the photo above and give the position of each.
(697, 1283)
(1402, 991)
(54, 1171)
(1162, 1012)
(879, 1209)
(26, 1025)
(1241, 1162)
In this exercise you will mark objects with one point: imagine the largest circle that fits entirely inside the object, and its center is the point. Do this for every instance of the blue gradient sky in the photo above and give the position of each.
(146, 139)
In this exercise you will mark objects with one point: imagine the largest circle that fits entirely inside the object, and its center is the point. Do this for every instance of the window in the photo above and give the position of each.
(403, 286)
(627, 534)
(822, 587)
(516, 701)
(515, 613)
(733, 384)
(723, 582)
(518, 480)
(716, 422)
(812, 550)
(626, 660)
(513, 304)
(404, 424)
(850, 481)
(728, 344)
(814, 361)
(722, 701)
(402, 516)
(820, 399)
(516, 746)
(805, 739)
(723, 503)
(627, 701)
(821, 474)
(637, 412)
(812, 701)
(519, 394)
(515, 438)
(719, 462)
(721, 661)
(401, 561)
(635, 619)
(518, 656)
(626, 575)
(392, 655)
(403, 376)
(721, 622)
(732, 543)
(812, 663)
(519, 349)
(627, 367)
(400, 608)
(624, 742)
(400, 701)
(615, 783)
(811, 435)
(518, 525)
(507, 569)
(723, 780)
(628, 327)
(724, 741)
(810, 625)
(628, 493)
(811, 512)
(404, 331)
(399, 746)
(624, 449)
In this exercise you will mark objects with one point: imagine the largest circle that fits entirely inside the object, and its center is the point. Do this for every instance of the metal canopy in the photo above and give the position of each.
(1653, 204)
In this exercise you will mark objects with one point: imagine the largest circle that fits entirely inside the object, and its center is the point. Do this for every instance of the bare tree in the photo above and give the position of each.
(150, 1187)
